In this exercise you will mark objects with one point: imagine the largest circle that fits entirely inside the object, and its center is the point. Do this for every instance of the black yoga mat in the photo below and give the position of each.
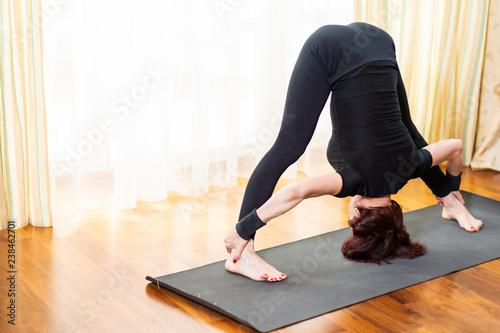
(321, 280)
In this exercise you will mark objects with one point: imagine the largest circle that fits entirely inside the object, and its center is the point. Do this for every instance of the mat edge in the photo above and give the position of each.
(196, 300)
(239, 320)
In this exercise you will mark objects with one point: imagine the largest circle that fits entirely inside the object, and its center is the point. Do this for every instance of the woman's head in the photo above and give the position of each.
(378, 234)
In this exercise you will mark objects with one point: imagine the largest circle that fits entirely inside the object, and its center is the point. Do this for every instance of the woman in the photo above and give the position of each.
(375, 149)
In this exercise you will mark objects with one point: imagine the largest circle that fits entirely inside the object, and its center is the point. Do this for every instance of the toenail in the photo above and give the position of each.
(235, 261)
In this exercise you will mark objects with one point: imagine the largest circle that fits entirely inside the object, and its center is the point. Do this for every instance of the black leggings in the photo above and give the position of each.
(325, 56)
(307, 94)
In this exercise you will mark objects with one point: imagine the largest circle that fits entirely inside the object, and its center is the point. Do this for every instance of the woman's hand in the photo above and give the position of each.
(235, 244)
(457, 195)
(284, 200)
(439, 201)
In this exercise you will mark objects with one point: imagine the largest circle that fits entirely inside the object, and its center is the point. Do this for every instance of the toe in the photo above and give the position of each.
(282, 277)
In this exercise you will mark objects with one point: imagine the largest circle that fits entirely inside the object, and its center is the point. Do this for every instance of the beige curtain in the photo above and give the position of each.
(440, 48)
(487, 151)
(24, 183)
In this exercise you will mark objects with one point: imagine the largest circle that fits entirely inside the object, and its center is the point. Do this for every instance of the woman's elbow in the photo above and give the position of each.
(308, 188)
(303, 189)
(296, 190)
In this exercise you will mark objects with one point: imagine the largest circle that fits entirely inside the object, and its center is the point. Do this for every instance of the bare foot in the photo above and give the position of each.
(253, 266)
(453, 209)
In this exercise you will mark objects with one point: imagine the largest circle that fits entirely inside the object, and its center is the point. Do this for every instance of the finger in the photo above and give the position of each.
(237, 251)
(227, 244)
(229, 241)
(458, 195)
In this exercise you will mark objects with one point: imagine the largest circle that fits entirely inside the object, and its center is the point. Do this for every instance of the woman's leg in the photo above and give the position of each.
(453, 204)
(453, 209)
(307, 93)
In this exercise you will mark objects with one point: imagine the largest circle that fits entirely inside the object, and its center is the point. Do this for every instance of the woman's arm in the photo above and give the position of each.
(281, 202)
(447, 150)
(292, 194)
(450, 151)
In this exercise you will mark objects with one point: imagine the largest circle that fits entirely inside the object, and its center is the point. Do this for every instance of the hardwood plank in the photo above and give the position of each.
(87, 273)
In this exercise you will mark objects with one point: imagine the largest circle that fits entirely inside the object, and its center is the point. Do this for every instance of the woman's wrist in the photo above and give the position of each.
(248, 225)
(454, 181)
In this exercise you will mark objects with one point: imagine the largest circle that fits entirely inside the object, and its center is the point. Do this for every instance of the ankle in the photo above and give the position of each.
(249, 247)
(448, 198)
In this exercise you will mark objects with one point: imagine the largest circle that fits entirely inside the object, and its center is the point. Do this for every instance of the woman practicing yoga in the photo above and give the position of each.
(375, 149)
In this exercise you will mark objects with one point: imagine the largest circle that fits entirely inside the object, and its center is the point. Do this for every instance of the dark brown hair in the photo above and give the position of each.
(378, 234)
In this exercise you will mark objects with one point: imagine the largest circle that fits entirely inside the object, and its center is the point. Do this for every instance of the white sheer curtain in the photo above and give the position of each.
(145, 97)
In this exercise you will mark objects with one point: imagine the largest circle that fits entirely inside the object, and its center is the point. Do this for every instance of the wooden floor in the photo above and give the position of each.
(86, 274)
